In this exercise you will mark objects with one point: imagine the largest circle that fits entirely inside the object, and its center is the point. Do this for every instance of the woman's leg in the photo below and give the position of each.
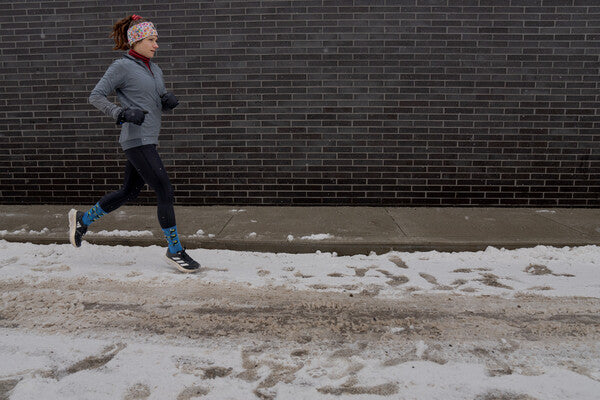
(79, 221)
(145, 165)
(132, 185)
(149, 166)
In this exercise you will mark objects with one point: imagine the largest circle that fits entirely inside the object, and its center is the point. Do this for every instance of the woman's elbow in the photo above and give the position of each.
(95, 99)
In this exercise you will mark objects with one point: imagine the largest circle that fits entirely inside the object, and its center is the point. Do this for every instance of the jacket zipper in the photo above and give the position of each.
(159, 105)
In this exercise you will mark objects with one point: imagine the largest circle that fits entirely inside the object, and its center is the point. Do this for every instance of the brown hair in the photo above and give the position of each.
(119, 32)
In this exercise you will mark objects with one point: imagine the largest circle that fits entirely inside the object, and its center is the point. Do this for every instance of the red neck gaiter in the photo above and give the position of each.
(146, 60)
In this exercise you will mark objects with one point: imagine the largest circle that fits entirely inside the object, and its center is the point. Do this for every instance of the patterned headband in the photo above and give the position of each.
(140, 31)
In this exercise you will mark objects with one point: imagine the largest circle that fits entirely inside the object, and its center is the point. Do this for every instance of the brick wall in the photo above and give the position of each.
(364, 102)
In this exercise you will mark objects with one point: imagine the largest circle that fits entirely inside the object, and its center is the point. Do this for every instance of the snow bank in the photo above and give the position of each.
(542, 270)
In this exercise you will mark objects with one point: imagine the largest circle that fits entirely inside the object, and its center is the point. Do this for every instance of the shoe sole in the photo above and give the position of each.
(72, 226)
(179, 267)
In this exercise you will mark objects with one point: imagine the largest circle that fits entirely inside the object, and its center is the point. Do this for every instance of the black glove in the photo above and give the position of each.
(133, 115)
(169, 101)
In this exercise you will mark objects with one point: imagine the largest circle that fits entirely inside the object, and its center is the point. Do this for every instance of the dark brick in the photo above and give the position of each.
(424, 103)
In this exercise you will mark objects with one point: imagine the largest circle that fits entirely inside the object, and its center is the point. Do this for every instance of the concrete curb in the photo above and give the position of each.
(341, 248)
(351, 230)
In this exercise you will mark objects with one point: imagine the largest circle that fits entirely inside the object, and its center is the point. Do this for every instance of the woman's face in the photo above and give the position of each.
(146, 46)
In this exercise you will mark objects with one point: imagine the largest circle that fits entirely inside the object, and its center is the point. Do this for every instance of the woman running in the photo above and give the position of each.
(141, 92)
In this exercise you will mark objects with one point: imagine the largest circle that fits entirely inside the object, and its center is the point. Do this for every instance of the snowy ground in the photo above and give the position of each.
(113, 322)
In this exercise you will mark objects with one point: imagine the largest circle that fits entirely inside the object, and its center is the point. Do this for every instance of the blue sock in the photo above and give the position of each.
(173, 239)
(93, 214)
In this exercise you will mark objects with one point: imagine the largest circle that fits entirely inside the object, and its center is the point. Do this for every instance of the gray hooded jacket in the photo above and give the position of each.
(136, 87)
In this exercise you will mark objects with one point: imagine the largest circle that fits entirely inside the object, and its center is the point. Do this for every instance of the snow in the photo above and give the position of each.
(421, 347)
(542, 270)
(24, 231)
(120, 233)
(200, 234)
(318, 236)
(52, 365)
(129, 366)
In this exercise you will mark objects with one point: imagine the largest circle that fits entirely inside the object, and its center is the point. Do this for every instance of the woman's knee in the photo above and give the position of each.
(134, 192)
(132, 196)
(164, 192)
(168, 196)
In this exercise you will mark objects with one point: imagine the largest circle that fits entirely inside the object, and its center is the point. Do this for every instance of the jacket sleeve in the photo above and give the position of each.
(162, 89)
(113, 78)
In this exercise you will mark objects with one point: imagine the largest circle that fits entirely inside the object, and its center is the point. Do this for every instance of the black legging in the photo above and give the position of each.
(144, 166)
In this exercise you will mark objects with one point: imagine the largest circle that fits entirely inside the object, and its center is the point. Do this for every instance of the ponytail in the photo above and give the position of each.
(119, 31)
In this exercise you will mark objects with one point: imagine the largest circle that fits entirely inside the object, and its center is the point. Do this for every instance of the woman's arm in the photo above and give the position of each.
(113, 78)
(168, 99)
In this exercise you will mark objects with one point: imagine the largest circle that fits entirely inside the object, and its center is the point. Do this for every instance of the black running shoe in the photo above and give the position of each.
(76, 227)
(182, 261)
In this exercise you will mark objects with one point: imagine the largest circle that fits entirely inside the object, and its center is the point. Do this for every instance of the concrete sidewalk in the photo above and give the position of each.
(351, 230)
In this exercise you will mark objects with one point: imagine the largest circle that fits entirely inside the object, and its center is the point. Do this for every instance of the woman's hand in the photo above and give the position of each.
(133, 115)
(169, 101)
